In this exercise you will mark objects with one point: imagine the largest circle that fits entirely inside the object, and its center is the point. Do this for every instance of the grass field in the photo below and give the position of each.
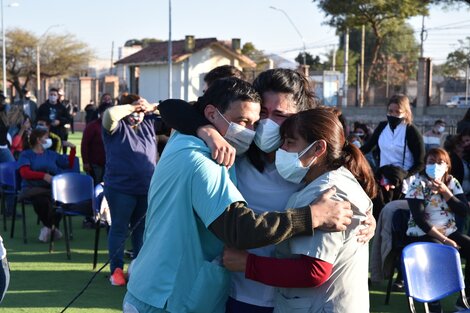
(43, 282)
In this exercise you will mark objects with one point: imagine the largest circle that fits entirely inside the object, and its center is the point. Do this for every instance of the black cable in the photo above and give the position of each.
(105, 264)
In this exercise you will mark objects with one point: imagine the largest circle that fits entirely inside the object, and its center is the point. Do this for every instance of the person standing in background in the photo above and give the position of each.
(55, 114)
(30, 108)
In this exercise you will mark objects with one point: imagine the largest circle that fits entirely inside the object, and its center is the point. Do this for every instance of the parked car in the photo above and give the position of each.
(458, 101)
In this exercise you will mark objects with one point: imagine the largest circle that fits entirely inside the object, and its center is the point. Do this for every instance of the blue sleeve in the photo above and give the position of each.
(212, 191)
(24, 159)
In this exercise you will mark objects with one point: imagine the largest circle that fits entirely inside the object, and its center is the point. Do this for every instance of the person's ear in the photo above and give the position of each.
(210, 112)
(319, 148)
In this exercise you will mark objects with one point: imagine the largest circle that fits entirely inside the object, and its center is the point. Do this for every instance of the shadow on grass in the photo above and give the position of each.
(57, 288)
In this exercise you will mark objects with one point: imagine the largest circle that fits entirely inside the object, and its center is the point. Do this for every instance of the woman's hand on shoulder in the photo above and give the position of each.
(366, 233)
(222, 152)
(66, 143)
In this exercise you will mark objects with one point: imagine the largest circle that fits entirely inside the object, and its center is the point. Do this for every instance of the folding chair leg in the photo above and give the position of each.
(97, 239)
(70, 228)
(67, 239)
(23, 211)
(13, 220)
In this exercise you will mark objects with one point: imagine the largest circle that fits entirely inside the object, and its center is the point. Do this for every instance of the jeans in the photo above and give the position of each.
(125, 210)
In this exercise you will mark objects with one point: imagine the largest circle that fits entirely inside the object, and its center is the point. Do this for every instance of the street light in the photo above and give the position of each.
(4, 58)
(38, 61)
(298, 32)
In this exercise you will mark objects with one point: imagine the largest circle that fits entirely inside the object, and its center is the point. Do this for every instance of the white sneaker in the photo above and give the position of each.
(45, 234)
(57, 234)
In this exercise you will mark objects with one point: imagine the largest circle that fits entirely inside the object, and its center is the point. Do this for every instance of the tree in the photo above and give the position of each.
(144, 42)
(381, 17)
(314, 62)
(60, 55)
(256, 55)
(457, 60)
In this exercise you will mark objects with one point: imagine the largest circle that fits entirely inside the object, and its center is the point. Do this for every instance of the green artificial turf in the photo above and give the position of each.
(46, 282)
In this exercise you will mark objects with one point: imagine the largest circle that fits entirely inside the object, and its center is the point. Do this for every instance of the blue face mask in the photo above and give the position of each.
(436, 171)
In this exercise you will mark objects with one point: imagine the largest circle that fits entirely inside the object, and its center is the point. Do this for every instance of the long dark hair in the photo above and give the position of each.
(282, 80)
(30, 141)
(322, 123)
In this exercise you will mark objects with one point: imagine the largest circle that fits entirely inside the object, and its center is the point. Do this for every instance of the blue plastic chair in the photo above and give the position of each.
(10, 185)
(72, 195)
(431, 272)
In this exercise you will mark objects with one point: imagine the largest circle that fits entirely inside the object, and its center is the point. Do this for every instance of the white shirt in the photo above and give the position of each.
(391, 144)
(346, 290)
(266, 191)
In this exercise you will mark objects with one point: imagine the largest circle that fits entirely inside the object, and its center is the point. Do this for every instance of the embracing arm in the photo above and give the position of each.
(304, 272)
(240, 227)
(417, 211)
(458, 204)
(182, 116)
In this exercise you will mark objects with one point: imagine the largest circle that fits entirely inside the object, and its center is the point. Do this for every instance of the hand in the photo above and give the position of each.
(450, 242)
(55, 123)
(366, 233)
(439, 186)
(330, 215)
(66, 143)
(48, 178)
(222, 152)
(26, 125)
(235, 260)
(87, 167)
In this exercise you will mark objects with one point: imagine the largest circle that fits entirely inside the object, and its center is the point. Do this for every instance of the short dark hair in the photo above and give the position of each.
(224, 91)
(223, 72)
(439, 121)
(54, 89)
(128, 98)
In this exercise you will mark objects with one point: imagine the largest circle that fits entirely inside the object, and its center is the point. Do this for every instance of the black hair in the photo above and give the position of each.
(224, 91)
(287, 81)
(223, 72)
(30, 141)
(54, 89)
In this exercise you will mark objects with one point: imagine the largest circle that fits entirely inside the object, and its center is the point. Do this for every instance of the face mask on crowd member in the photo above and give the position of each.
(135, 118)
(47, 143)
(289, 165)
(267, 136)
(53, 98)
(238, 136)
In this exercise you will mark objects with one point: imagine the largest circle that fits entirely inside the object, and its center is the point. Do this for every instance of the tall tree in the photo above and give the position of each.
(380, 16)
(457, 61)
(60, 55)
(256, 55)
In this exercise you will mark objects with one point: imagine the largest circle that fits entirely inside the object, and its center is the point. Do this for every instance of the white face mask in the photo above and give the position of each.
(436, 171)
(47, 144)
(238, 136)
(52, 99)
(289, 166)
(441, 129)
(268, 137)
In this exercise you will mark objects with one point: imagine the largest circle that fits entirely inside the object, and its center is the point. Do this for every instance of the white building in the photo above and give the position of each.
(192, 58)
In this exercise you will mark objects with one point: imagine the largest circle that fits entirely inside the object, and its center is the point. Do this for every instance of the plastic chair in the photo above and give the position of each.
(431, 272)
(399, 226)
(10, 185)
(73, 194)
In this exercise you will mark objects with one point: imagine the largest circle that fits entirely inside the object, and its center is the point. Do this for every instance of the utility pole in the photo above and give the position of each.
(170, 53)
(363, 47)
(333, 64)
(387, 83)
(112, 56)
(346, 67)
(423, 31)
(467, 102)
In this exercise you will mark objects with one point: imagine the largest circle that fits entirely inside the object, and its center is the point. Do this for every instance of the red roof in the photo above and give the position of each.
(158, 52)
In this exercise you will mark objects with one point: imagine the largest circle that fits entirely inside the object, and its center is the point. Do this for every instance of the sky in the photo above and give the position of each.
(99, 23)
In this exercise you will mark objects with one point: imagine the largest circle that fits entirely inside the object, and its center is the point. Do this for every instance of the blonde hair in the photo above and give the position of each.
(404, 104)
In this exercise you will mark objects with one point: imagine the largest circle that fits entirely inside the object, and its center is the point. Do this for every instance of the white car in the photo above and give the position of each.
(458, 101)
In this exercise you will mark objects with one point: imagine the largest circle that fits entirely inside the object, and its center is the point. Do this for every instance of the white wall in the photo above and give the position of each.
(187, 76)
